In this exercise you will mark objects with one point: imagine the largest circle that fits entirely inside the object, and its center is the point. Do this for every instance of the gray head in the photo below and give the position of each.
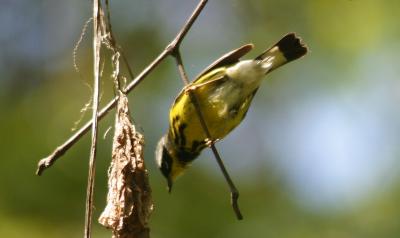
(164, 161)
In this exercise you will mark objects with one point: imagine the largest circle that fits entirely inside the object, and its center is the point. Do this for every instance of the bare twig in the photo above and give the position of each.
(129, 202)
(175, 44)
(61, 149)
(92, 160)
(173, 50)
(193, 98)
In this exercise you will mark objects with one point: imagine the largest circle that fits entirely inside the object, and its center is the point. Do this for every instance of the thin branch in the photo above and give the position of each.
(92, 160)
(173, 50)
(195, 101)
(61, 149)
(175, 44)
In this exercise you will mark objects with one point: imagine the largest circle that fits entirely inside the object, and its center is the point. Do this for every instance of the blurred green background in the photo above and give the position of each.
(317, 156)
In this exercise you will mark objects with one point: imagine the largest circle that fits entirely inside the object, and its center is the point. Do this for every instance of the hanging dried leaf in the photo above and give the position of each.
(129, 202)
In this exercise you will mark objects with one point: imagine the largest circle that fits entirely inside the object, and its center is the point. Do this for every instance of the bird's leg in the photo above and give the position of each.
(210, 142)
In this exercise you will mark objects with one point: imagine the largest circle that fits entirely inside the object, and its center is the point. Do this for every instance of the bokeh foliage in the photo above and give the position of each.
(41, 95)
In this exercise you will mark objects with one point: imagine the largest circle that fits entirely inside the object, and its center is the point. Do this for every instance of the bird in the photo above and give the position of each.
(224, 92)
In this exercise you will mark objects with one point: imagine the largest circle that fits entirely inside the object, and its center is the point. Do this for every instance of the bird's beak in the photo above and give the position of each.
(169, 185)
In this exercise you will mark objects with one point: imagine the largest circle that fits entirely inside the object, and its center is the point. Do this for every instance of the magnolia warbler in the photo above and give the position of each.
(224, 92)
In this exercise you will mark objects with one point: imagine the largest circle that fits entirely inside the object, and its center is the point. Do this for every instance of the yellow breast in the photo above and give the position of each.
(222, 104)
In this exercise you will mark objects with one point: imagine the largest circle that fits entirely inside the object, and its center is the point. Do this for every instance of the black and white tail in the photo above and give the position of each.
(287, 49)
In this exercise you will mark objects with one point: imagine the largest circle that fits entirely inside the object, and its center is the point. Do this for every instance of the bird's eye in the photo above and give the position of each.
(164, 165)
(166, 162)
